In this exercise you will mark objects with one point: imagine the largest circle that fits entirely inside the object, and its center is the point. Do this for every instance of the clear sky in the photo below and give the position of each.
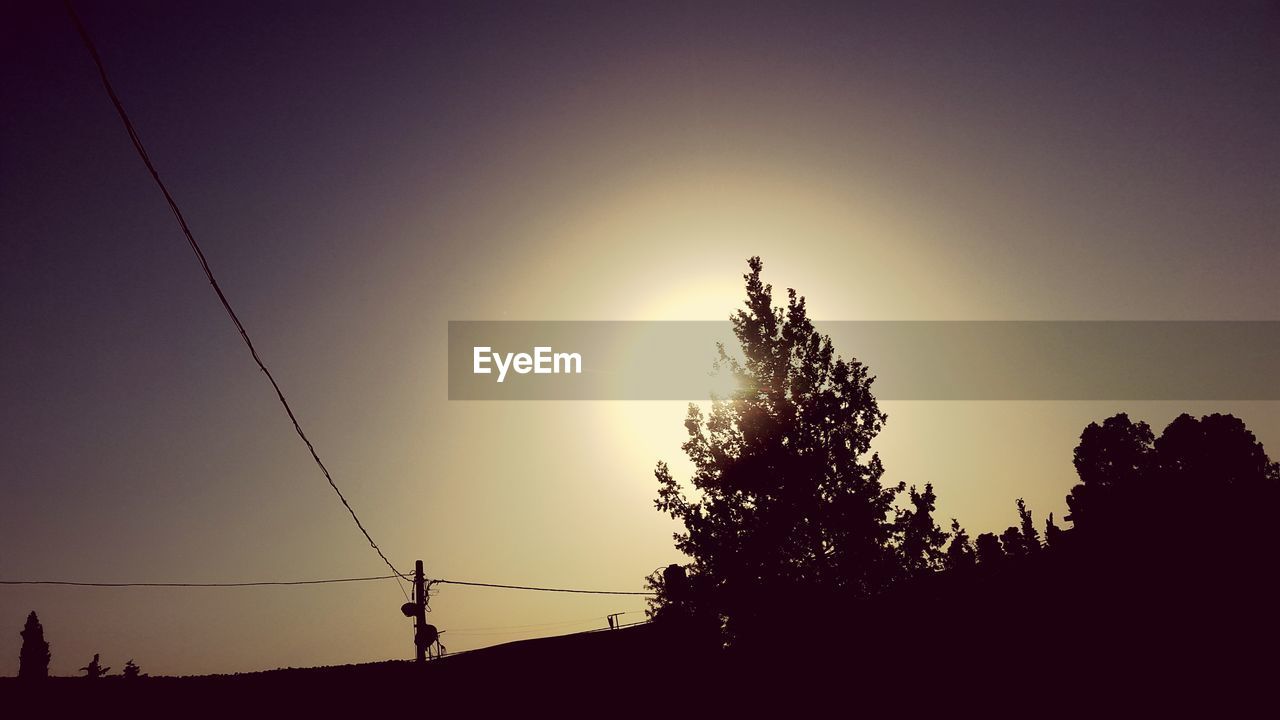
(359, 174)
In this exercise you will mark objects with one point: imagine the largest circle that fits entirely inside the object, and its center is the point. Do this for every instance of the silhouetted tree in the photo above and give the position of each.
(1216, 447)
(1011, 542)
(33, 658)
(1021, 540)
(960, 552)
(988, 549)
(1030, 536)
(1110, 459)
(131, 671)
(1210, 473)
(922, 540)
(94, 669)
(1052, 533)
(1173, 543)
(788, 497)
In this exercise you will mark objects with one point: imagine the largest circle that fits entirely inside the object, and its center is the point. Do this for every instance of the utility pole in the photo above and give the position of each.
(423, 634)
(419, 613)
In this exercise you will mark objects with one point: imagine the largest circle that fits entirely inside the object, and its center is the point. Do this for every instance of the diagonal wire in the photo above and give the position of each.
(195, 584)
(204, 265)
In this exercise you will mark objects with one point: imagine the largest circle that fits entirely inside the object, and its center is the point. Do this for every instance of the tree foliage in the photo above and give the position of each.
(1209, 473)
(1110, 459)
(960, 553)
(988, 549)
(922, 541)
(787, 493)
(1052, 533)
(1021, 540)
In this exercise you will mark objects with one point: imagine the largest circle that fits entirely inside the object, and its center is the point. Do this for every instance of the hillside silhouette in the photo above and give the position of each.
(569, 674)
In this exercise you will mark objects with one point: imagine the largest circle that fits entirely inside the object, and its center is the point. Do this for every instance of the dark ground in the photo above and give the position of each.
(570, 674)
(1067, 634)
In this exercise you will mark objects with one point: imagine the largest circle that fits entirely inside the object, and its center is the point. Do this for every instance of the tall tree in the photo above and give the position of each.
(1027, 529)
(922, 541)
(787, 498)
(33, 659)
(960, 552)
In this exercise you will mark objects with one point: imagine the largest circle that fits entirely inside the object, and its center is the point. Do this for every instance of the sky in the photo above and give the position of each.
(359, 174)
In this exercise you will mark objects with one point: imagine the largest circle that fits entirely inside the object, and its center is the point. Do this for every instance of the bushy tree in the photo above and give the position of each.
(33, 659)
(131, 670)
(1174, 540)
(988, 549)
(1110, 459)
(787, 498)
(1215, 447)
(1211, 472)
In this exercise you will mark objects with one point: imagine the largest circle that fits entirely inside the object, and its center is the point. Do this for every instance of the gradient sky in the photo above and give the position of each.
(360, 174)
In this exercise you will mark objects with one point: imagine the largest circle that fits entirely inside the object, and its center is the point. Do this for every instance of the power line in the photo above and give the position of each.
(618, 627)
(204, 265)
(397, 577)
(543, 589)
(197, 585)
